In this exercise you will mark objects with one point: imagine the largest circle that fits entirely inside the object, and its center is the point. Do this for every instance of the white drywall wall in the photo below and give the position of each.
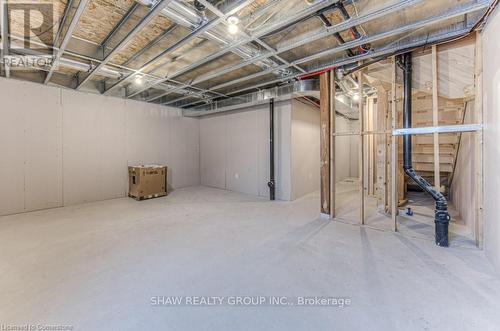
(305, 149)
(463, 187)
(491, 136)
(234, 150)
(346, 149)
(346, 146)
(63, 147)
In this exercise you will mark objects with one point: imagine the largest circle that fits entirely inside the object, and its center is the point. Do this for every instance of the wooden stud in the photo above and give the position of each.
(478, 160)
(381, 143)
(324, 83)
(361, 158)
(332, 144)
(435, 118)
(394, 151)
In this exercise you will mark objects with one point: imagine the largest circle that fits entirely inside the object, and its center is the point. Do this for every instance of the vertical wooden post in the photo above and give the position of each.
(435, 118)
(361, 158)
(332, 144)
(324, 83)
(394, 150)
(478, 160)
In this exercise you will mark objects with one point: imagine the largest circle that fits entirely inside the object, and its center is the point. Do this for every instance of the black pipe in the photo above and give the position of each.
(340, 6)
(299, 20)
(337, 35)
(441, 215)
(408, 71)
(271, 182)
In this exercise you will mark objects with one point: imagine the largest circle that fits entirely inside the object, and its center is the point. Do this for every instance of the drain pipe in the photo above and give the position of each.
(271, 183)
(441, 215)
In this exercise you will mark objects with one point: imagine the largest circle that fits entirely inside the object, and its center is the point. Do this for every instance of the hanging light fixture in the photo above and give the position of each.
(232, 26)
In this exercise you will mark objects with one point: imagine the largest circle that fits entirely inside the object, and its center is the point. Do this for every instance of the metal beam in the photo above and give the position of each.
(194, 34)
(156, 10)
(268, 29)
(121, 23)
(69, 32)
(404, 28)
(217, 12)
(153, 43)
(296, 43)
(178, 99)
(388, 50)
(62, 22)
(5, 35)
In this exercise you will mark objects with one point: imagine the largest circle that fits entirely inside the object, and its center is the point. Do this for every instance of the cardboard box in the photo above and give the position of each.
(147, 181)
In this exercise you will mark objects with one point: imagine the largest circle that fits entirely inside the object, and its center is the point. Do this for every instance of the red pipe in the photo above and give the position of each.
(312, 74)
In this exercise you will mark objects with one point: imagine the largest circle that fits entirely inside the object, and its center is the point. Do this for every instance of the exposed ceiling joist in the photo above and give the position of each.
(194, 34)
(152, 14)
(73, 22)
(358, 42)
(278, 41)
(266, 30)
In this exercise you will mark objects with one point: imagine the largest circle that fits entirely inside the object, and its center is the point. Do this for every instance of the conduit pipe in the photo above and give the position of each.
(73, 64)
(271, 182)
(441, 215)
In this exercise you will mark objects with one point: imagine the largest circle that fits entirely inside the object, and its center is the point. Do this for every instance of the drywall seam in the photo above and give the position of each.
(30, 181)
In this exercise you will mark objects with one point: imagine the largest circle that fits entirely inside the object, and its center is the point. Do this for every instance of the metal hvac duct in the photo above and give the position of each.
(309, 87)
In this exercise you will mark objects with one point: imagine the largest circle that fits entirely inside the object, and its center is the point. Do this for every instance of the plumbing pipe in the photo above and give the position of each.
(441, 215)
(337, 35)
(316, 73)
(73, 64)
(271, 182)
(354, 30)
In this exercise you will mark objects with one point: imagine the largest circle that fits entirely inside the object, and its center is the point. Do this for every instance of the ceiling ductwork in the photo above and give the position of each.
(297, 89)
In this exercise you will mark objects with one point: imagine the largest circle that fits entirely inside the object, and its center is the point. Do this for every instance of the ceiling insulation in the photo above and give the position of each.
(100, 17)
(150, 32)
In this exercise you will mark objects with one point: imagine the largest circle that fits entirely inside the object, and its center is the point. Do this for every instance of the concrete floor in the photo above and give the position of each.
(419, 225)
(96, 267)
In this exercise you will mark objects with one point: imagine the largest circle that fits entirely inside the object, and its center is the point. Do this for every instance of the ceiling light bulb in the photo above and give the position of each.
(232, 24)
(355, 97)
(138, 80)
(232, 28)
(233, 20)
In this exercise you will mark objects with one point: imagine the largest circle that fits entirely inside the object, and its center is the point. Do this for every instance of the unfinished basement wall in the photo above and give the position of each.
(61, 147)
(305, 149)
(346, 146)
(491, 137)
(234, 150)
(463, 186)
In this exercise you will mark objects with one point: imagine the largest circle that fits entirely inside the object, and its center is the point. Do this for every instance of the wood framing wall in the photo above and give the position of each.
(325, 141)
(440, 95)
